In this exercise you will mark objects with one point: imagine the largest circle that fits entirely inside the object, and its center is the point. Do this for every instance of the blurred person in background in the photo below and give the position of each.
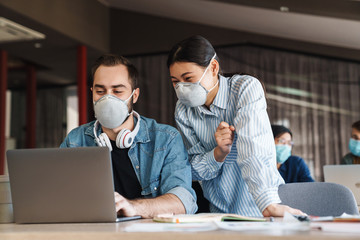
(292, 168)
(353, 157)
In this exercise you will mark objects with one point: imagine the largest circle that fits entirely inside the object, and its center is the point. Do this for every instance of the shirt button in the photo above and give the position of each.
(137, 167)
(155, 188)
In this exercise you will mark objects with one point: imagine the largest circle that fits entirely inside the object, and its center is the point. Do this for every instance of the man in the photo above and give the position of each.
(353, 157)
(151, 170)
(291, 168)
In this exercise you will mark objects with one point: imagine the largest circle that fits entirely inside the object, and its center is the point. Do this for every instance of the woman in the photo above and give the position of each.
(227, 132)
(291, 168)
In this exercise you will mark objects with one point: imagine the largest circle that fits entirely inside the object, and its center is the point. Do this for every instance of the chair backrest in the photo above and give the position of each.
(319, 198)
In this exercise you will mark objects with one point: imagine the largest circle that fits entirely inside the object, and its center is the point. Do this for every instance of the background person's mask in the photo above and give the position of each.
(111, 111)
(193, 94)
(354, 146)
(283, 152)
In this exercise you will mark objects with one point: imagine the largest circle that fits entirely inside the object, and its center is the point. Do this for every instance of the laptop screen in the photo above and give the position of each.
(62, 185)
(347, 175)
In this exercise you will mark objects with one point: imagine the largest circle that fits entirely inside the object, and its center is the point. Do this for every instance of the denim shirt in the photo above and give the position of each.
(158, 157)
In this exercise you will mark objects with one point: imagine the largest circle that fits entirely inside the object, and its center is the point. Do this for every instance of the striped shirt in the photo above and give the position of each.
(247, 181)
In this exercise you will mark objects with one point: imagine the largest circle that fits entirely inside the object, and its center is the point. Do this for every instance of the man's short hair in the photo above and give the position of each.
(356, 125)
(110, 60)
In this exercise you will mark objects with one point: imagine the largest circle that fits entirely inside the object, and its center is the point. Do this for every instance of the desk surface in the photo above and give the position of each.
(116, 231)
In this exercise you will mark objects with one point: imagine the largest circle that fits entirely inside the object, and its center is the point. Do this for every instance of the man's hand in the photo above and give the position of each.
(224, 137)
(150, 207)
(278, 210)
(124, 206)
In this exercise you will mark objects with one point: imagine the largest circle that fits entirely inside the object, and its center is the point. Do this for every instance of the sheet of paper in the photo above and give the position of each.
(266, 226)
(337, 227)
(171, 227)
(343, 218)
(290, 218)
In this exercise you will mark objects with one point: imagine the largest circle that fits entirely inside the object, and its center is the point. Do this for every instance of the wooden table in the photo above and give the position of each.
(101, 231)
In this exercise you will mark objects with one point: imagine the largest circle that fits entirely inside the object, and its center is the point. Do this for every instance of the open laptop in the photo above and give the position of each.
(347, 175)
(54, 185)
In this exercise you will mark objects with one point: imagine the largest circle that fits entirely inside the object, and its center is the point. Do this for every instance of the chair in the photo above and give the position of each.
(201, 201)
(319, 198)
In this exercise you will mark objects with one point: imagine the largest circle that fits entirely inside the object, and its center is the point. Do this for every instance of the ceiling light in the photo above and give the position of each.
(11, 31)
(284, 9)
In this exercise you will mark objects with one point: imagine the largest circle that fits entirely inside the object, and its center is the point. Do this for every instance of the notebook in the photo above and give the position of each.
(347, 175)
(62, 185)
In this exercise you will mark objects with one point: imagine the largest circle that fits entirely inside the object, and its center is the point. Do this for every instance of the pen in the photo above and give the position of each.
(302, 218)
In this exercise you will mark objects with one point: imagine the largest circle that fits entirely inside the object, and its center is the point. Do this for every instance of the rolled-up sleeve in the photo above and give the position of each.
(186, 198)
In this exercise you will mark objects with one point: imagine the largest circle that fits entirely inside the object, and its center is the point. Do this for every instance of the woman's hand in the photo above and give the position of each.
(224, 137)
(278, 210)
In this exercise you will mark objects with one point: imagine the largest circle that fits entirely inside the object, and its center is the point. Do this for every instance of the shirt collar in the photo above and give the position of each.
(143, 134)
(221, 97)
(90, 130)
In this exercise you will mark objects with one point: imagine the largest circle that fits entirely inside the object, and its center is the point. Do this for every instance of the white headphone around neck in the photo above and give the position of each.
(124, 139)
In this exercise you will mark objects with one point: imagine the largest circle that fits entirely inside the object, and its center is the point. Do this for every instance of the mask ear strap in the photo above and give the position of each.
(130, 96)
(217, 82)
(126, 101)
(207, 68)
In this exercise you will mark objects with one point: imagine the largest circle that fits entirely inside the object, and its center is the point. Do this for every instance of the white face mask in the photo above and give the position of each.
(111, 111)
(193, 94)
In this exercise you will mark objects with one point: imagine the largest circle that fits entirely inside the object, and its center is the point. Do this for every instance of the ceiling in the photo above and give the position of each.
(328, 22)
(54, 57)
(305, 25)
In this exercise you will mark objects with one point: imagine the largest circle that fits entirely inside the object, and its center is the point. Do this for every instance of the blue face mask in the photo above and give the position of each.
(283, 152)
(354, 146)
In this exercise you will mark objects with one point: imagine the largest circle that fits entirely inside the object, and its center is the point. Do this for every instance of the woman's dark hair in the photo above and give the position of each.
(356, 125)
(195, 49)
(279, 130)
(110, 60)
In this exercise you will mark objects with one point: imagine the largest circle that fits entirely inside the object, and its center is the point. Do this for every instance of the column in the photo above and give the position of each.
(81, 84)
(3, 87)
(31, 107)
